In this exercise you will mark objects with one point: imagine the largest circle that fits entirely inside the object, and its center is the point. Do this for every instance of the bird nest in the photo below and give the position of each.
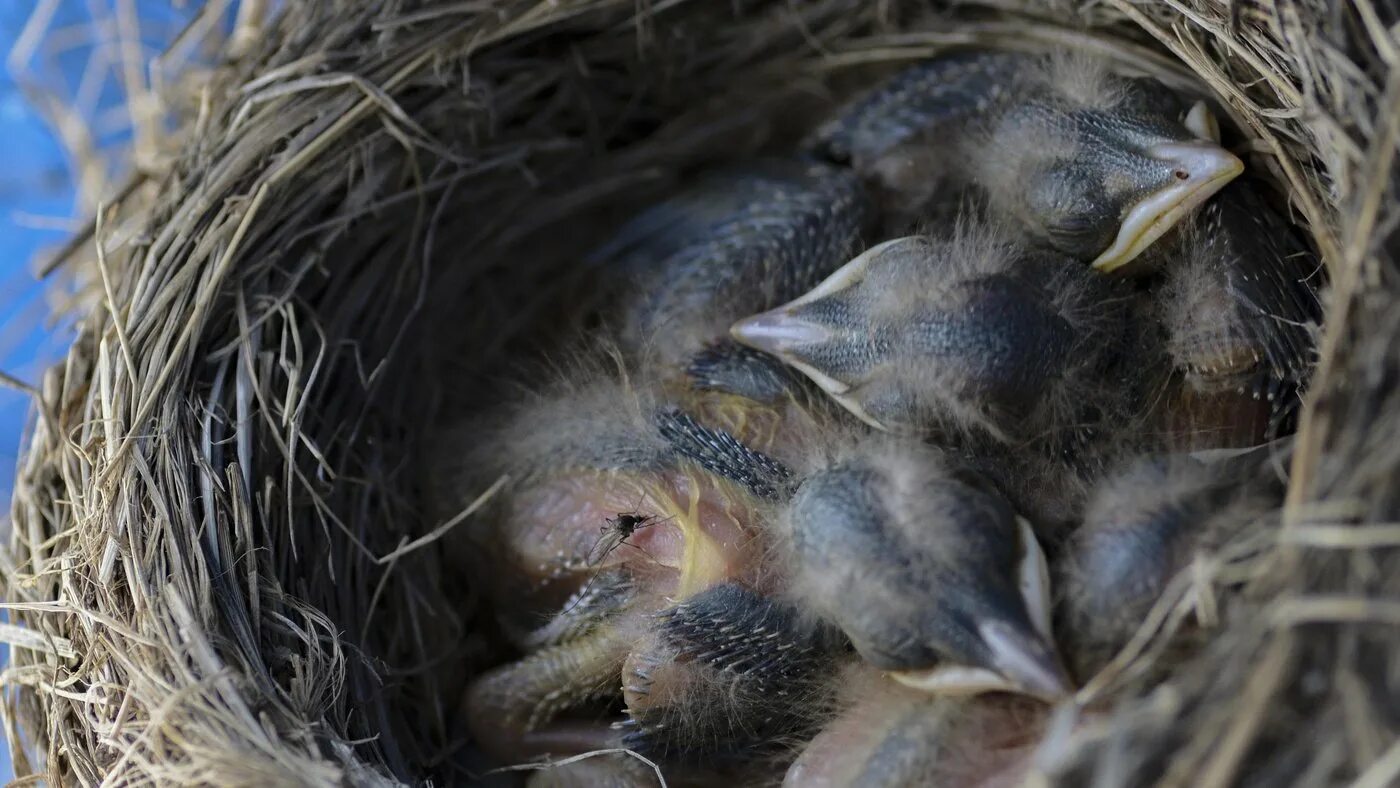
(225, 567)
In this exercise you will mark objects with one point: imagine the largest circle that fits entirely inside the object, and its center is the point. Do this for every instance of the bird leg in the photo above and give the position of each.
(511, 710)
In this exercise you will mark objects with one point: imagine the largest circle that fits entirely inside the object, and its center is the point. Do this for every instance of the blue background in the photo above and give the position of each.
(33, 182)
(36, 186)
(37, 199)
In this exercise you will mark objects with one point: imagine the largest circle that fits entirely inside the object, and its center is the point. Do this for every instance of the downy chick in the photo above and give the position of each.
(1241, 308)
(1141, 527)
(727, 678)
(967, 333)
(605, 519)
(737, 242)
(581, 455)
(885, 737)
(1095, 164)
(629, 505)
(924, 567)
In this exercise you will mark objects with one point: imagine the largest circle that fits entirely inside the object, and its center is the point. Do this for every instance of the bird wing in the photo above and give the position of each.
(919, 101)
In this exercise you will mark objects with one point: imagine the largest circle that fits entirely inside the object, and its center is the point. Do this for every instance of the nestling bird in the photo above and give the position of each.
(884, 737)
(588, 460)
(924, 567)
(1141, 527)
(1097, 165)
(971, 332)
(738, 242)
(1240, 304)
(626, 553)
(582, 454)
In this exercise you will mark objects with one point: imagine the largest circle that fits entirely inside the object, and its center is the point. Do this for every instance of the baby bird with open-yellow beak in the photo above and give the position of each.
(622, 555)
(1097, 165)
(968, 332)
(926, 569)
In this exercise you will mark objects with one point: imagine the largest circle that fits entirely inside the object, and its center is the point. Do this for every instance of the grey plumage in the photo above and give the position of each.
(737, 242)
(726, 366)
(933, 95)
(1142, 525)
(728, 675)
(971, 331)
(1094, 164)
(923, 565)
(1241, 301)
(721, 453)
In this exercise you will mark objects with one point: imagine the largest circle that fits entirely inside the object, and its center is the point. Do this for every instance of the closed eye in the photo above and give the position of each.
(1072, 228)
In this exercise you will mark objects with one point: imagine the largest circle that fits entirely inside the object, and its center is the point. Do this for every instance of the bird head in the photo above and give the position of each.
(918, 334)
(927, 570)
(1097, 165)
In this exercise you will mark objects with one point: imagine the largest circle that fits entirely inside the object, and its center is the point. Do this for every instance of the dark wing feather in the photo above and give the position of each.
(920, 100)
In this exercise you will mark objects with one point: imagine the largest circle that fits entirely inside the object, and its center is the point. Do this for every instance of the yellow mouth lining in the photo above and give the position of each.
(702, 561)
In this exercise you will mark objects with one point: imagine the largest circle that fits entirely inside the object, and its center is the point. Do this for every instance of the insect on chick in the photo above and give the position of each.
(616, 530)
(613, 533)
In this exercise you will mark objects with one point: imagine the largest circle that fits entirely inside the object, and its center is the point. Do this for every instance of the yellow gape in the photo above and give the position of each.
(704, 560)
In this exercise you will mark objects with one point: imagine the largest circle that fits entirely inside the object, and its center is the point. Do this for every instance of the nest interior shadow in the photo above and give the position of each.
(226, 566)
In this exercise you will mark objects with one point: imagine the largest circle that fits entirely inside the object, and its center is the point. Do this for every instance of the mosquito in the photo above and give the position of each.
(617, 530)
(611, 535)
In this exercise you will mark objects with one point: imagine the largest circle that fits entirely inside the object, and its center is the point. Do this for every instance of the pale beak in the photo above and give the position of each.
(1202, 168)
(779, 332)
(782, 332)
(1024, 662)
(1202, 122)
(1024, 665)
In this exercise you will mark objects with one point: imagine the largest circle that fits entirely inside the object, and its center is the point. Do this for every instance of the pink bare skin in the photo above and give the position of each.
(889, 735)
(1198, 420)
(557, 533)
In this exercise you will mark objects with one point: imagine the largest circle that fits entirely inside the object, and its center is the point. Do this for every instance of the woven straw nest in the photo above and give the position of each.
(223, 568)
